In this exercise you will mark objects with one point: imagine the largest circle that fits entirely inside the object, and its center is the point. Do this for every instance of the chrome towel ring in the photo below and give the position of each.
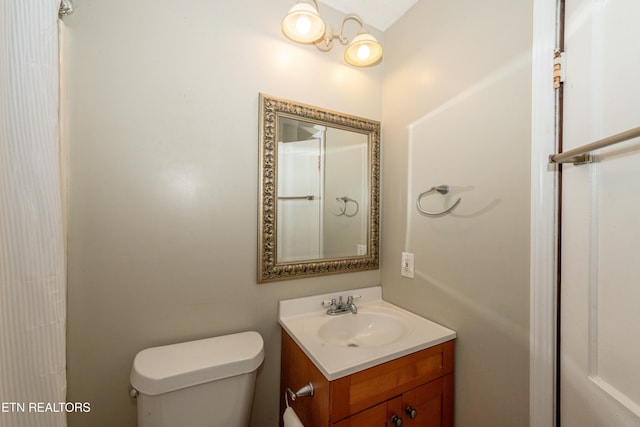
(343, 208)
(442, 189)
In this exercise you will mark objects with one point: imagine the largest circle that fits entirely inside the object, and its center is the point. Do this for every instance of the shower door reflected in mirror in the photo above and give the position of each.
(299, 203)
(319, 191)
(322, 181)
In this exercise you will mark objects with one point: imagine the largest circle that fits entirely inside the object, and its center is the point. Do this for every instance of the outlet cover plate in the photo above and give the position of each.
(407, 267)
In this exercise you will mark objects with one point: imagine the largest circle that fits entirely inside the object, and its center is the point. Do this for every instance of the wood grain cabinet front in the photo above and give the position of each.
(382, 415)
(412, 391)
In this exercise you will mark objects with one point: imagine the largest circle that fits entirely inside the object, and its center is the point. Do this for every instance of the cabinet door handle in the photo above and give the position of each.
(412, 412)
(396, 420)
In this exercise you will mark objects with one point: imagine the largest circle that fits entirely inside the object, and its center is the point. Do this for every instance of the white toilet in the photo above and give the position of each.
(204, 383)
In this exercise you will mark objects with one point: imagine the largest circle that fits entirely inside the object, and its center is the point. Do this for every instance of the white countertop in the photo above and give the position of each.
(302, 318)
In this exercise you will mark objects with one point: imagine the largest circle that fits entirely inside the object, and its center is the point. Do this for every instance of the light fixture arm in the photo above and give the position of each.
(326, 43)
(317, 5)
(353, 17)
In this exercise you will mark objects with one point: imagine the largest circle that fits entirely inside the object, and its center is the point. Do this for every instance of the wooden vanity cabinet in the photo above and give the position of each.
(420, 382)
(378, 416)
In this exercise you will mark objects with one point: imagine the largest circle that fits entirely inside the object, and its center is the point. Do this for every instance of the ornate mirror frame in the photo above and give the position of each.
(269, 270)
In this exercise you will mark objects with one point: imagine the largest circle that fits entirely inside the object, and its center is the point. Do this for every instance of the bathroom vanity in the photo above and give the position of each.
(380, 367)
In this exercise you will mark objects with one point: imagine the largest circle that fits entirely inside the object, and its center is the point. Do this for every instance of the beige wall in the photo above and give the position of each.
(456, 110)
(346, 174)
(163, 182)
(163, 185)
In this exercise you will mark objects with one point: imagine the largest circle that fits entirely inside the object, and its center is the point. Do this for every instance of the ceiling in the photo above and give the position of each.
(376, 13)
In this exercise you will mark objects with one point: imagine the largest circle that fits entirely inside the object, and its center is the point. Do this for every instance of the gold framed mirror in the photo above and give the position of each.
(319, 191)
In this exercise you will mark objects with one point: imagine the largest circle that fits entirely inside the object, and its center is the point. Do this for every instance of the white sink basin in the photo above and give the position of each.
(348, 343)
(365, 329)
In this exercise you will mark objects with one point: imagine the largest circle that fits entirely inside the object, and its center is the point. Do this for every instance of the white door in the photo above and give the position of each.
(600, 257)
(299, 202)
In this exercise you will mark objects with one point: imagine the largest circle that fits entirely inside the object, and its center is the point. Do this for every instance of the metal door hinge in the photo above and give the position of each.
(66, 8)
(558, 68)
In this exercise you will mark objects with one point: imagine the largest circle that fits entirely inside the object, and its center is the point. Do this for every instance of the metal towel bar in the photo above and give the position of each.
(308, 197)
(581, 155)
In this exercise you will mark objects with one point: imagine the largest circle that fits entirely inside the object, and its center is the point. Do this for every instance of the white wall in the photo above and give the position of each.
(456, 110)
(163, 182)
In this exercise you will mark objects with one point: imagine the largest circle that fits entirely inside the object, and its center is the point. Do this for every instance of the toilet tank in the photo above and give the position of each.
(203, 383)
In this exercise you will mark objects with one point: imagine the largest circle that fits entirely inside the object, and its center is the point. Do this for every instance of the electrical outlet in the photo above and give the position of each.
(407, 267)
(362, 249)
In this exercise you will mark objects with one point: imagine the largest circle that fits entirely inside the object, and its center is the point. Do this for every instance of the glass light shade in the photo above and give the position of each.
(363, 51)
(303, 24)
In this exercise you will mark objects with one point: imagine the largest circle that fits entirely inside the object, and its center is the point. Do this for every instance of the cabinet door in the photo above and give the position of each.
(377, 416)
(428, 405)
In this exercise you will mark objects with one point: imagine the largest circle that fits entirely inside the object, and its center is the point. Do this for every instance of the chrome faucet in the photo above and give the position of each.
(340, 306)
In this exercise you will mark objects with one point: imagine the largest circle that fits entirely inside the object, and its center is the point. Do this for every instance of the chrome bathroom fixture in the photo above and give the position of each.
(340, 306)
(582, 155)
(305, 391)
(303, 24)
(343, 208)
(442, 189)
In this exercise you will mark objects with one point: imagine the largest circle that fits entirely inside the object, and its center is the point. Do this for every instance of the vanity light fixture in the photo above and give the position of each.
(303, 24)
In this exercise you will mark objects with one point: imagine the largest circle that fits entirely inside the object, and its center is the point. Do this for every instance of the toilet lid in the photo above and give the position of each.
(167, 368)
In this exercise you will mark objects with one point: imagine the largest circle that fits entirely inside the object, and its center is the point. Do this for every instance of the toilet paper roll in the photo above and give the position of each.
(291, 419)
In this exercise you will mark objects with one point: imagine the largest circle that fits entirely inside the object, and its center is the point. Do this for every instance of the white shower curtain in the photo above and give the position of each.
(32, 261)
